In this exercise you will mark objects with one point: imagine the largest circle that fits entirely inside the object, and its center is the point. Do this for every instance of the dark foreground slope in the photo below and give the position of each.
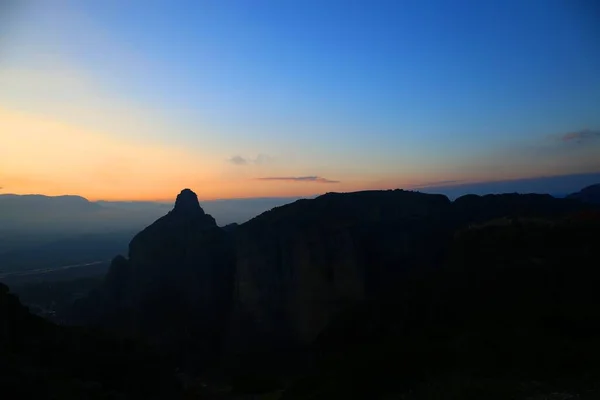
(361, 295)
(589, 194)
(512, 313)
(301, 265)
(40, 360)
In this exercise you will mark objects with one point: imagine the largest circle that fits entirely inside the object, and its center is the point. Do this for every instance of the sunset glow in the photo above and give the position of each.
(232, 102)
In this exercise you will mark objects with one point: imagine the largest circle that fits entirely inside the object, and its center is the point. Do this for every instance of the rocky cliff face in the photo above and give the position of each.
(300, 265)
(175, 287)
(277, 281)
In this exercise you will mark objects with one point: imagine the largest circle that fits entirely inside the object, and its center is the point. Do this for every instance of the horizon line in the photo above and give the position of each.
(446, 184)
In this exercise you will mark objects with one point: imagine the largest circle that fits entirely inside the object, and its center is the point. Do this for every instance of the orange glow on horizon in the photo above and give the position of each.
(44, 156)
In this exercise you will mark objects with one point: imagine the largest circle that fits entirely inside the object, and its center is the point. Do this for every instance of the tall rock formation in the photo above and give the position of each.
(300, 265)
(278, 281)
(303, 265)
(175, 288)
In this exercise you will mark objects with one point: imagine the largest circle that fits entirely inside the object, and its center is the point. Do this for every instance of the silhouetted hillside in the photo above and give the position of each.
(41, 360)
(175, 288)
(473, 208)
(590, 194)
(511, 313)
(300, 265)
(389, 290)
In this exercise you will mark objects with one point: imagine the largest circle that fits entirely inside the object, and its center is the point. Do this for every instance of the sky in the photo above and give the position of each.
(137, 99)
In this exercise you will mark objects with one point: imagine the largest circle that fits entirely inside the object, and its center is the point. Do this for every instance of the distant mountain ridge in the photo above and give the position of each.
(278, 280)
(367, 292)
(41, 212)
(300, 265)
(589, 194)
(44, 225)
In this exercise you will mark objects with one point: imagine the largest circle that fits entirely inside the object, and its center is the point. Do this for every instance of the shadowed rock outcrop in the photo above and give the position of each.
(473, 208)
(276, 282)
(302, 265)
(589, 194)
(358, 293)
(175, 287)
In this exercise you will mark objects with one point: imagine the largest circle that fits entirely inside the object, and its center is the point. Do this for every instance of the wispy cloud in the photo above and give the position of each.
(317, 179)
(238, 160)
(580, 136)
(259, 160)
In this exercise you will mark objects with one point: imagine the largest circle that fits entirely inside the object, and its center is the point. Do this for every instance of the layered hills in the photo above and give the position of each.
(385, 286)
(280, 278)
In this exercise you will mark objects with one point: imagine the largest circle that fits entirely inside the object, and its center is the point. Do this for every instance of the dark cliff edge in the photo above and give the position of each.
(512, 312)
(589, 194)
(174, 289)
(317, 284)
(303, 265)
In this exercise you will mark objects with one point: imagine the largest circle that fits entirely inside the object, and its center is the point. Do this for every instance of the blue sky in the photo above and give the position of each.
(357, 94)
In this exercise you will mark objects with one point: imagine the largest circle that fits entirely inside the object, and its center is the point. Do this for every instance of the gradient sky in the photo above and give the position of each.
(126, 99)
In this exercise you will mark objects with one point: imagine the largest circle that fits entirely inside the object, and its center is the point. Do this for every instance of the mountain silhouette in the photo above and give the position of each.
(254, 294)
(589, 194)
(175, 287)
(360, 294)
